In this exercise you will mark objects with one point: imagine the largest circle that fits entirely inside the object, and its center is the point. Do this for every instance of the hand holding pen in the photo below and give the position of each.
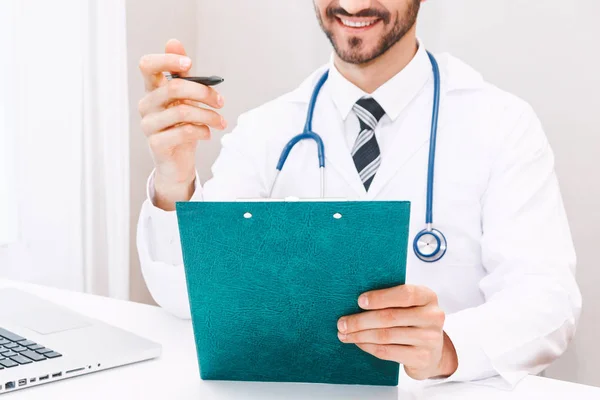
(175, 118)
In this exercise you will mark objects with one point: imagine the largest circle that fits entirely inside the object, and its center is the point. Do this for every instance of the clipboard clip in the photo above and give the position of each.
(291, 199)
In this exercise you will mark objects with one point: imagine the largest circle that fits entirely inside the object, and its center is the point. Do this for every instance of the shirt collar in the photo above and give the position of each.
(393, 96)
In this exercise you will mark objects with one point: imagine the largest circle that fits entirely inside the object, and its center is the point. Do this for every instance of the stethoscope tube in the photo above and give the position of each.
(306, 134)
(430, 244)
(433, 139)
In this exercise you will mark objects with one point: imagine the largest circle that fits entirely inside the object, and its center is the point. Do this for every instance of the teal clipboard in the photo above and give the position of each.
(267, 282)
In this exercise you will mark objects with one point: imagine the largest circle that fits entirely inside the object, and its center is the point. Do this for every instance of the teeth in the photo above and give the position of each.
(357, 24)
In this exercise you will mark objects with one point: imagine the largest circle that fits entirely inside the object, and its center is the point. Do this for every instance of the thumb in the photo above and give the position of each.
(174, 46)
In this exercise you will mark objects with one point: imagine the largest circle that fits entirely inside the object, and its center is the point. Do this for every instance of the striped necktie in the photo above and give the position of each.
(365, 153)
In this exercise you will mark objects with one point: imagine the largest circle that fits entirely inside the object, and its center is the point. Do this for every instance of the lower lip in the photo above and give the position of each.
(357, 30)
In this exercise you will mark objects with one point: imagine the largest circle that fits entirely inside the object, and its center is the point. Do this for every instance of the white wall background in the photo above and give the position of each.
(263, 48)
(150, 23)
(545, 51)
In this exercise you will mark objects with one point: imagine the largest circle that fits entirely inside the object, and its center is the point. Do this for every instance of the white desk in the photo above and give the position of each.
(175, 375)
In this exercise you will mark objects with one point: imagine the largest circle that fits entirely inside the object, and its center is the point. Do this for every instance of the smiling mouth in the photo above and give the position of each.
(357, 24)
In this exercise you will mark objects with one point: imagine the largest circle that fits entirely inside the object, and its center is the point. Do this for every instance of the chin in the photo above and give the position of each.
(354, 56)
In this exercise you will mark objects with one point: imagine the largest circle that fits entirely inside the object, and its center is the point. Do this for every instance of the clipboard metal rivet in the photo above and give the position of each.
(247, 215)
(337, 215)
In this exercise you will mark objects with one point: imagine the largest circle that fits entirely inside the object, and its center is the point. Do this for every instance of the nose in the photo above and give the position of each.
(355, 6)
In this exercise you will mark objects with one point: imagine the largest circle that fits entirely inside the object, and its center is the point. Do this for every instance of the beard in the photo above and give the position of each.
(353, 53)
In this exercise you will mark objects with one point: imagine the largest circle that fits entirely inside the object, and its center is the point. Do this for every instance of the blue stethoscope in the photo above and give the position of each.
(430, 244)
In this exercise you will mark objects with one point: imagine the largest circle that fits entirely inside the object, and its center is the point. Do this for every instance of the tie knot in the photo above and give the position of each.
(369, 111)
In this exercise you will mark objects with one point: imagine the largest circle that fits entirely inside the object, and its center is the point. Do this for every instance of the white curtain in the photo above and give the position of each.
(8, 203)
(71, 145)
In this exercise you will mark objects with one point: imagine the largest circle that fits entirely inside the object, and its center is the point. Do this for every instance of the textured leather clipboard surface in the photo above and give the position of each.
(266, 292)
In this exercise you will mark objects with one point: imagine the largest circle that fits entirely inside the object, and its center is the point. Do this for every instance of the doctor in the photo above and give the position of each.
(502, 301)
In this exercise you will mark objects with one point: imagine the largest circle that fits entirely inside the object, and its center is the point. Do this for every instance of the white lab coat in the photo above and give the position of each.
(507, 281)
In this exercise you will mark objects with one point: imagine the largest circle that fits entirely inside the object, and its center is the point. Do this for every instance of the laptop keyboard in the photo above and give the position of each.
(16, 350)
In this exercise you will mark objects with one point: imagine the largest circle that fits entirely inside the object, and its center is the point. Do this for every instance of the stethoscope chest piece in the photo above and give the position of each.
(430, 245)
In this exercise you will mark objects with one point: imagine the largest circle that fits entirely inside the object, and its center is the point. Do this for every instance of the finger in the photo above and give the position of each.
(183, 113)
(392, 317)
(391, 352)
(177, 136)
(405, 335)
(399, 296)
(174, 46)
(153, 66)
(177, 90)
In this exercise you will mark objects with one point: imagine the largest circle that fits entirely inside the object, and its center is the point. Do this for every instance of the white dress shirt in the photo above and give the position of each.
(507, 282)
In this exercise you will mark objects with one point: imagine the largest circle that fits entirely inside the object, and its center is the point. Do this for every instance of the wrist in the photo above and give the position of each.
(168, 192)
(449, 361)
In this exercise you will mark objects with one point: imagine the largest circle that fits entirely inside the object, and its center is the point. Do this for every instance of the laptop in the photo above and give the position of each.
(41, 342)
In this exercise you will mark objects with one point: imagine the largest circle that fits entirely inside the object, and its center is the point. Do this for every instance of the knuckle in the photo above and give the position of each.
(205, 131)
(142, 106)
(388, 315)
(381, 351)
(430, 336)
(145, 63)
(429, 294)
(183, 112)
(174, 88)
(438, 317)
(188, 131)
(384, 335)
(410, 293)
(145, 125)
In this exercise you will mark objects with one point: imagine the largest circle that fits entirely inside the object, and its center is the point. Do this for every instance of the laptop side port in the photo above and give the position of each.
(44, 377)
(71, 371)
(57, 374)
(32, 380)
(22, 382)
(9, 385)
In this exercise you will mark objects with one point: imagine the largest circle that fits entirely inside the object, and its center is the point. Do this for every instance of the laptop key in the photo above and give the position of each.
(21, 360)
(3, 349)
(33, 355)
(3, 341)
(53, 354)
(44, 350)
(10, 345)
(35, 347)
(9, 354)
(19, 349)
(10, 336)
(8, 363)
(27, 343)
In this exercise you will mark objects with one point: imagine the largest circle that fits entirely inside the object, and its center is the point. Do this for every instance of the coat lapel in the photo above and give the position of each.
(406, 145)
(337, 154)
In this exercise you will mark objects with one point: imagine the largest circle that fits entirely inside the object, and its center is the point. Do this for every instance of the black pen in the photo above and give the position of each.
(203, 80)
